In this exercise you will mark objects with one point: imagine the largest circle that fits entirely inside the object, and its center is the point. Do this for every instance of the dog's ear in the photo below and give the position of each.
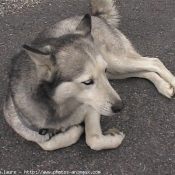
(43, 61)
(85, 25)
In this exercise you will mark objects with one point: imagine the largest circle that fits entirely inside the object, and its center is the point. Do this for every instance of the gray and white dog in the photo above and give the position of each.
(61, 80)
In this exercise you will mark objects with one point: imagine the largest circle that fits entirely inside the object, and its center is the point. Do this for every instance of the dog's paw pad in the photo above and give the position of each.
(113, 132)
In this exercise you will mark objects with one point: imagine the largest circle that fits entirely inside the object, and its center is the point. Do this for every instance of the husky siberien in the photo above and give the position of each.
(61, 80)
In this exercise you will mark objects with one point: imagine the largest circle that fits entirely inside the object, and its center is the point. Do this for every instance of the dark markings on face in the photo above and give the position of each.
(68, 64)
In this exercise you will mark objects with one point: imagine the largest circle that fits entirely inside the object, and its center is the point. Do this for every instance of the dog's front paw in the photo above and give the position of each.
(112, 131)
(111, 140)
(116, 136)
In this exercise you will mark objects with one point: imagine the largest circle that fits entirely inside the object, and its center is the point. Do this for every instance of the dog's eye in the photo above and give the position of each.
(88, 82)
(105, 70)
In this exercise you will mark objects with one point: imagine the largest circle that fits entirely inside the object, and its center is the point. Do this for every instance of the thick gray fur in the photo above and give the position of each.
(60, 80)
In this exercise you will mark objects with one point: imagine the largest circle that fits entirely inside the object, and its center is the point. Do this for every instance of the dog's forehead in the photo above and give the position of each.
(101, 62)
(98, 63)
(71, 62)
(73, 59)
(94, 67)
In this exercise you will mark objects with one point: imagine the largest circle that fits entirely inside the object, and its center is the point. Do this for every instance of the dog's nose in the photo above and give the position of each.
(117, 107)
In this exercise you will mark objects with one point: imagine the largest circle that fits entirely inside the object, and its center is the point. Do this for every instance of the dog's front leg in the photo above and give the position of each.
(64, 139)
(94, 137)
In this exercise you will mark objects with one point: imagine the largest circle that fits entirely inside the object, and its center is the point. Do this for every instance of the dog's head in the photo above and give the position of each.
(71, 67)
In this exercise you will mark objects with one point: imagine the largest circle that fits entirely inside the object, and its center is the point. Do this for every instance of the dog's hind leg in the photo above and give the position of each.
(94, 137)
(162, 86)
(64, 139)
(150, 68)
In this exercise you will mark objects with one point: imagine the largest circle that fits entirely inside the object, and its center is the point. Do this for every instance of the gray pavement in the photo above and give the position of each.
(148, 119)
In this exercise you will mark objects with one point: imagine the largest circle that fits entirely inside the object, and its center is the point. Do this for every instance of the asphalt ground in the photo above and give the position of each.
(148, 119)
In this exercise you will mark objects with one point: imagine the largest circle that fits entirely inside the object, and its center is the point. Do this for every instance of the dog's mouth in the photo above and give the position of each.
(107, 114)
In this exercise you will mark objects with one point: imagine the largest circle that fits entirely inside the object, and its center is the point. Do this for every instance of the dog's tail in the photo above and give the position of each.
(107, 10)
